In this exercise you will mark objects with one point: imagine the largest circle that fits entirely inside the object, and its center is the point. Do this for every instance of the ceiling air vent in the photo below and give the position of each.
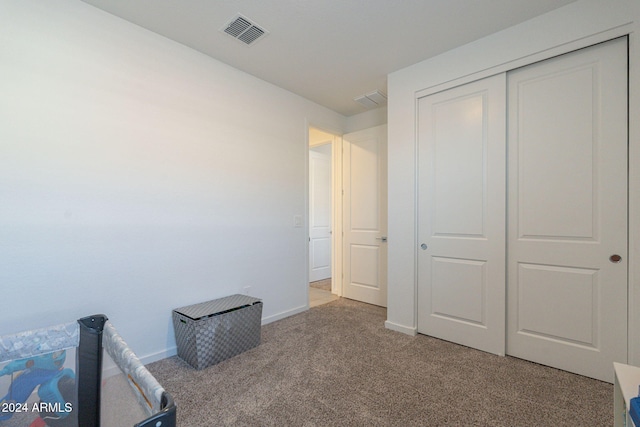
(373, 99)
(242, 29)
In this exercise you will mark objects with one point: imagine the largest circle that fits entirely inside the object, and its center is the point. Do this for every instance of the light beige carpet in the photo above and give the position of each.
(337, 365)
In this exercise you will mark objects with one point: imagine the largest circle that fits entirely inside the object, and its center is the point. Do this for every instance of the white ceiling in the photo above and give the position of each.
(328, 51)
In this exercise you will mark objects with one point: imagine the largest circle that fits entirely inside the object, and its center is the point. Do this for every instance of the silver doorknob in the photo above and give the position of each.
(424, 246)
(383, 238)
(615, 258)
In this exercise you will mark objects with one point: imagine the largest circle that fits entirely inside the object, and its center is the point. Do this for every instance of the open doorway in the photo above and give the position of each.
(322, 219)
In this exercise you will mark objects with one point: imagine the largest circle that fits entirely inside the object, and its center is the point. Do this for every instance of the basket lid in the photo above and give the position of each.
(217, 306)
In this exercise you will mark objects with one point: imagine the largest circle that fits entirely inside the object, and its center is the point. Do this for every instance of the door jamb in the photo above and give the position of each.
(336, 207)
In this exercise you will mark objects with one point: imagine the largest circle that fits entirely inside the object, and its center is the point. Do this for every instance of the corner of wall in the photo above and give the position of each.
(408, 330)
(366, 120)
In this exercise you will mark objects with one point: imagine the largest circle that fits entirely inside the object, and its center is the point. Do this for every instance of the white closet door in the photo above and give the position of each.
(567, 215)
(461, 255)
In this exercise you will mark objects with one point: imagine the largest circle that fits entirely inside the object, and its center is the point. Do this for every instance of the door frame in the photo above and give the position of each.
(336, 206)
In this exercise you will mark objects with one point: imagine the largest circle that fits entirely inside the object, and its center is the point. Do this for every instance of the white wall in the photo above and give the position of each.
(137, 176)
(574, 26)
(366, 120)
(318, 137)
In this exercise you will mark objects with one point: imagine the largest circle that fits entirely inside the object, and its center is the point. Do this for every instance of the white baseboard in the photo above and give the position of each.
(110, 369)
(409, 330)
(154, 357)
(278, 316)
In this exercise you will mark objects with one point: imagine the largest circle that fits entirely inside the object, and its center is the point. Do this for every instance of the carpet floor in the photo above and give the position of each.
(337, 365)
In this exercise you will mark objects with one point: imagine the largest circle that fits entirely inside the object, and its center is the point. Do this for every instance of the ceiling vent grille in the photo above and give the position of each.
(241, 28)
(373, 99)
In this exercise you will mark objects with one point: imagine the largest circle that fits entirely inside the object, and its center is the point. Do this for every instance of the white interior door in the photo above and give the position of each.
(568, 211)
(320, 213)
(461, 258)
(365, 215)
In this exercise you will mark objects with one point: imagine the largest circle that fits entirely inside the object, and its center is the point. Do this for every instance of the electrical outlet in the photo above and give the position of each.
(297, 221)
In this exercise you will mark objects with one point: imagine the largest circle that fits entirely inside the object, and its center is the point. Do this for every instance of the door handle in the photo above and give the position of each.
(383, 238)
(615, 258)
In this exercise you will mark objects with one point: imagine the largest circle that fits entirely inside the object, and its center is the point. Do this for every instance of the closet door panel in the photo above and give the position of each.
(461, 254)
(568, 211)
